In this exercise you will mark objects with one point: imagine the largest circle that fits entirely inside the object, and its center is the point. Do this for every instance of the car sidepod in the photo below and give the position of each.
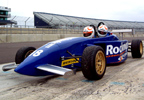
(116, 51)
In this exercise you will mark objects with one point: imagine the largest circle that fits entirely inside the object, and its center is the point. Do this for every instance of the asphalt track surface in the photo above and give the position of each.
(8, 50)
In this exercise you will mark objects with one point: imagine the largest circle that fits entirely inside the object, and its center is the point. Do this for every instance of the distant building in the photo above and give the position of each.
(49, 20)
(4, 15)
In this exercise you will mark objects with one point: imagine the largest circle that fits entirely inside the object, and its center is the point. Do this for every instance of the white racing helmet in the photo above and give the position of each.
(88, 32)
(102, 30)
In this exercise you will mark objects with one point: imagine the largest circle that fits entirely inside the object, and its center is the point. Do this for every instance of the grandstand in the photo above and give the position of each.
(50, 20)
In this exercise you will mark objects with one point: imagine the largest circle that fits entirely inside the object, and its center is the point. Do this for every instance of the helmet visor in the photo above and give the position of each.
(86, 34)
(102, 32)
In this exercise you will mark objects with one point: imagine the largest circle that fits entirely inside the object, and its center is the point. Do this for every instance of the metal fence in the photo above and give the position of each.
(23, 21)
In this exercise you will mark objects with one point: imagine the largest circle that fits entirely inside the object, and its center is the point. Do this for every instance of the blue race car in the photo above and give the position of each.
(65, 55)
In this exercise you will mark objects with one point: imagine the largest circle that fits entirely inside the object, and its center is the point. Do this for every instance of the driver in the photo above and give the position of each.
(91, 32)
(88, 32)
(102, 30)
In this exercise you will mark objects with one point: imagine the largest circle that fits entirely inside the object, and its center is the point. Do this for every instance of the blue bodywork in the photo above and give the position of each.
(56, 52)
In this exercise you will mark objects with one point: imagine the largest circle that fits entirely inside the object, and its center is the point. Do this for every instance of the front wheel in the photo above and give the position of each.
(93, 62)
(23, 53)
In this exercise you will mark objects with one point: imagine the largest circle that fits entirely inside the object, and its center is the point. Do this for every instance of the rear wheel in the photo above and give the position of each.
(137, 48)
(23, 53)
(93, 63)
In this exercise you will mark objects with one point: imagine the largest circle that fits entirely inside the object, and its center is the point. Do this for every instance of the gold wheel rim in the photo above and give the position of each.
(100, 62)
(141, 48)
(28, 53)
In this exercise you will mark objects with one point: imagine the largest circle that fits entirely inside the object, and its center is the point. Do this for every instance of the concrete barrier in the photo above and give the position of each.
(8, 38)
(8, 35)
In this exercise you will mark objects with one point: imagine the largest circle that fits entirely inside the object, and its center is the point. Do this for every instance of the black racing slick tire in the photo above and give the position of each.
(93, 62)
(22, 53)
(137, 48)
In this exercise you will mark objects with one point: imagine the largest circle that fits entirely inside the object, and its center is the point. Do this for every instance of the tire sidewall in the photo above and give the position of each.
(94, 62)
(88, 63)
(135, 49)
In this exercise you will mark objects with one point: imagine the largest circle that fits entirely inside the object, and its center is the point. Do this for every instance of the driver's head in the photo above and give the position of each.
(88, 32)
(102, 30)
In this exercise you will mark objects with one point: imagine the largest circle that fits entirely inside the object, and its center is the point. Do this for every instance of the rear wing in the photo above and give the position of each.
(121, 31)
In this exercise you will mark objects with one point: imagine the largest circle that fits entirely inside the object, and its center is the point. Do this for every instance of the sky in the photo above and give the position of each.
(123, 10)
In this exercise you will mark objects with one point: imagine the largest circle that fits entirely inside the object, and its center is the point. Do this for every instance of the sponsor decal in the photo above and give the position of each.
(69, 61)
(49, 45)
(115, 55)
(58, 41)
(116, 51)
(120, 52)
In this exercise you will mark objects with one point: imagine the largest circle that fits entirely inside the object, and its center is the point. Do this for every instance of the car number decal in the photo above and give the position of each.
(36, 53)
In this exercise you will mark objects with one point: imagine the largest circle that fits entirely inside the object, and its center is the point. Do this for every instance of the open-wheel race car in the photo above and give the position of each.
(65, 55)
